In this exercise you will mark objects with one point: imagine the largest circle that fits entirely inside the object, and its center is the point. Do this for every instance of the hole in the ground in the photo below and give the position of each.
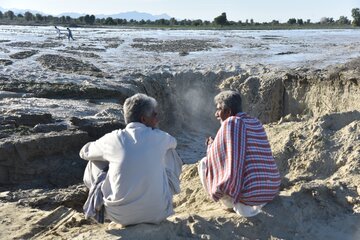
(186, 100)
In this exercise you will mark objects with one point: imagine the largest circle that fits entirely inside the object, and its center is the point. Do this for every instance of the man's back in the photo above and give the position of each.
(136, 187)
(261, 177)
(241, 163)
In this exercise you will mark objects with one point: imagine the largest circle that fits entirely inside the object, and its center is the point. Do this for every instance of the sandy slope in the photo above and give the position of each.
(319, 197)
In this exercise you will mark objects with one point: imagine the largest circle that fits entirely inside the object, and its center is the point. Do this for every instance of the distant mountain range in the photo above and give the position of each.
(125, 15)
(135, 15)
(17, 11)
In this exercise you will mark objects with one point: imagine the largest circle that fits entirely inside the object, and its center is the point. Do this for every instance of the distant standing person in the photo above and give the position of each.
(58, 31)
(70, 34)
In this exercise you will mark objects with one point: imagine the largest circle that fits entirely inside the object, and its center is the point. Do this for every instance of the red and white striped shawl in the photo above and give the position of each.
(240, 163)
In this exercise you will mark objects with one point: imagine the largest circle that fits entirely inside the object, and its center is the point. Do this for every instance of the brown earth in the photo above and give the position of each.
(313, 123)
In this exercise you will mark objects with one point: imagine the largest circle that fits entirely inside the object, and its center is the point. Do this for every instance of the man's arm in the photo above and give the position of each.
(91, 152)
(95, 151)
(169, 141)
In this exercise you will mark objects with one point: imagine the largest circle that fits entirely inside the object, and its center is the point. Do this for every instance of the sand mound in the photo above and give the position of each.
(47, 44)
(319, 198)
(23, 54)
(81, 54)
(90, 48)
(69, 65)
(184, 45)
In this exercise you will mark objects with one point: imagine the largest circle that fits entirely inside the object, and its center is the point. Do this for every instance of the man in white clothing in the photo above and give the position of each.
(143, 168)
(58, 31)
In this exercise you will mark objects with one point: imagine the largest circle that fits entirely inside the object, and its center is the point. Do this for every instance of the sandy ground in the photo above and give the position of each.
(318, 200)
(316, 145)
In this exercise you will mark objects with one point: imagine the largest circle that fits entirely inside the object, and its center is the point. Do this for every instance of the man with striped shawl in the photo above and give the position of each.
(239, 169)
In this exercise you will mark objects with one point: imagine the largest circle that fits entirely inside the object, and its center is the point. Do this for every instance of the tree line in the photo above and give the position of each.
(343, 20)
(29, 18)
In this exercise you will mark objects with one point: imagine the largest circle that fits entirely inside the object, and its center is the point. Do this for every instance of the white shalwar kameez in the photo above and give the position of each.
(143, 173)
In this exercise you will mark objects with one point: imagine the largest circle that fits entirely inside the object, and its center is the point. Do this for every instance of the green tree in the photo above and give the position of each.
(221, 20)
(173, 21)
(355, 13)
(326, 20)
(28, 16)
(68, 19)
(87, 19)
(39, 17)
(197, 22)
(49, 18)
(110, 21)
(123, 21)
(188, 22)
(162, 21)
(90, 20)
(300, 21)
(291, 21)
(81, 19)
(343, 20)
(9, 14)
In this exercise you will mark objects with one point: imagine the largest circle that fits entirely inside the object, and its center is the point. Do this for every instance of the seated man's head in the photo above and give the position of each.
(141, 108)
(228, 103)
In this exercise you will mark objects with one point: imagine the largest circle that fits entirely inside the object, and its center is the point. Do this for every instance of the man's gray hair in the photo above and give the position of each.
(229, 100)
(137, 106)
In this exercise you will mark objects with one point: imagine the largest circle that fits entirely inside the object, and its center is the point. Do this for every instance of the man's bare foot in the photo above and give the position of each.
(114, 226)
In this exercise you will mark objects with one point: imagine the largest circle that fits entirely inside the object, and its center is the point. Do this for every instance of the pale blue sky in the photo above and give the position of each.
(259, 10)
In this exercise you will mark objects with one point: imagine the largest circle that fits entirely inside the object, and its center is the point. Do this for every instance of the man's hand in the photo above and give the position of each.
(209, 141)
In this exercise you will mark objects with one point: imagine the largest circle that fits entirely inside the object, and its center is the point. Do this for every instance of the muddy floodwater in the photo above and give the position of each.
(118, 52)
